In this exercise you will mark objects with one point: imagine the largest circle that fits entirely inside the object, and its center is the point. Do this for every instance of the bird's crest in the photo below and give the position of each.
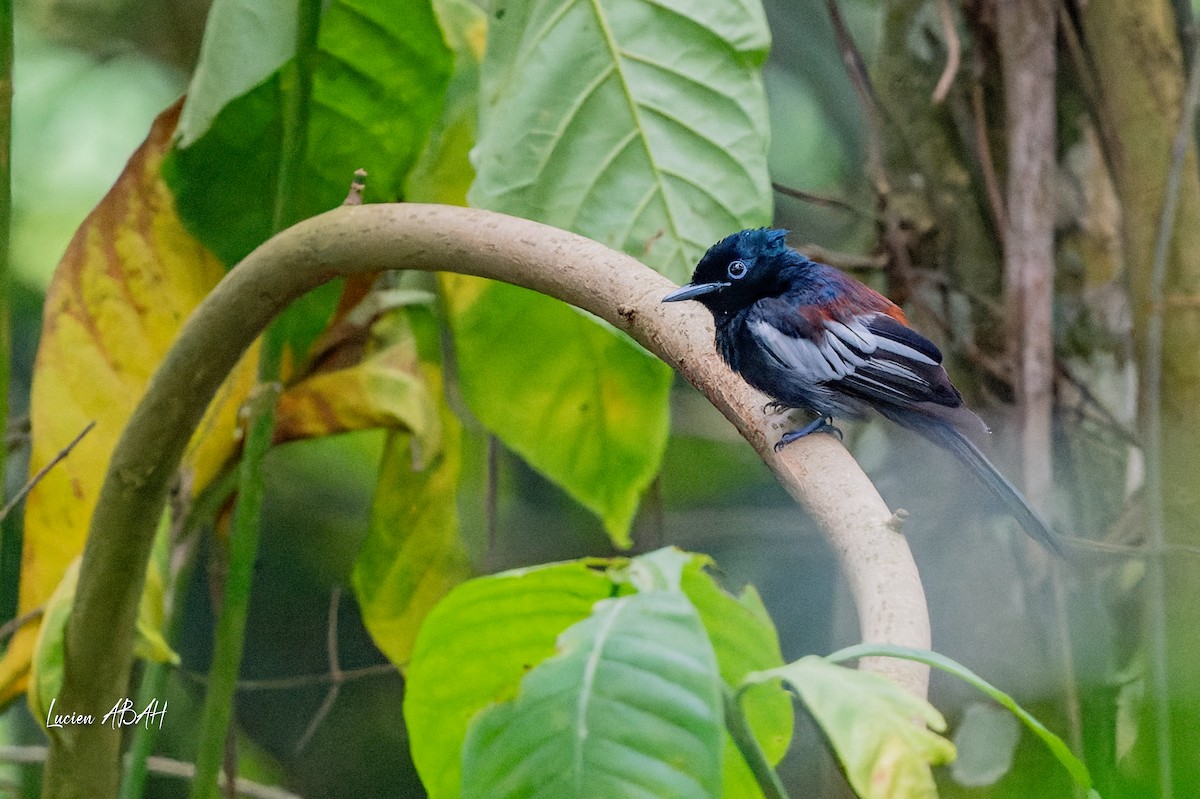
(764, 241)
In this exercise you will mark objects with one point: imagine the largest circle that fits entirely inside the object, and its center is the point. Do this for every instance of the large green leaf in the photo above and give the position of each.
(631, 706)
(245, 41)
(744, 640)
(640, 124)
(479, 643)
(583, 405)
(380, 75)
(869, 722)
(493, 631)
(475, 647)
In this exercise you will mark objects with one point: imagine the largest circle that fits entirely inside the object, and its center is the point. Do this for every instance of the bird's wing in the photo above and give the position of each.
(872, 355)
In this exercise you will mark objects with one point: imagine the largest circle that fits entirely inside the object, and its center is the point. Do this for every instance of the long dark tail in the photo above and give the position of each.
(945, 435)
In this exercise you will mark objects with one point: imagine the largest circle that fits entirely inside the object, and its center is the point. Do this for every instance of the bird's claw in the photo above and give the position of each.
(775, 407)
(822, 424)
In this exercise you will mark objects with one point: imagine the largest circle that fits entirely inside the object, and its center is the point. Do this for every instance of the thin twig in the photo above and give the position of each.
(163, 766)
(873, 110)
(300, 680)
(336, 675)
(1093, 91)
(37, 478)
(854, 262)
(357, 186)
(987, 164)
(820, 199)
(1088, 399)
(953, 53)
(1139, 551)
(860, 78)
(12, 625)
(491, 503)
(1155, 522)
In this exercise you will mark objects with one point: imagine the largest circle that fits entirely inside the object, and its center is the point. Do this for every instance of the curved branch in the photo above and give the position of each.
(817, 471)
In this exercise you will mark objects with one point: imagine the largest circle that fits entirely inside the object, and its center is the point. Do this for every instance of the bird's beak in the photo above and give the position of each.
(693, 290)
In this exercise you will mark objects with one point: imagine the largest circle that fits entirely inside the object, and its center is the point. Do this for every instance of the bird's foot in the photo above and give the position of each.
(775, 407)
(822, 424)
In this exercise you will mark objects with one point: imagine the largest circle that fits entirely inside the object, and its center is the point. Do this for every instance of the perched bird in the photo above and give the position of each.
(811, 337)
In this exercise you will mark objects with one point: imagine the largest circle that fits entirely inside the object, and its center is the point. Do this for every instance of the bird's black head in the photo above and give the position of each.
(738, 270)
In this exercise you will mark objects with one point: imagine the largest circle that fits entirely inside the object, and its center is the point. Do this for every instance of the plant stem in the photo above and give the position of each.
(10, 534)
(154, 676)
(1156, 537)
(247, 521)
(296, 105)
(231, 625)
(747, 744)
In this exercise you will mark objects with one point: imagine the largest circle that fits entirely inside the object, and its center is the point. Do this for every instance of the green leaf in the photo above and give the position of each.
(46, 670)
(1056, 745)
(475, 647)
(631, 706)
(413, 554)
(639, 123)
(489, 633)
(443, 173)
(378, 85)
(240, 149)
(868, 722)
(380, 81)
(245, 41)
(745, 640)
(583, 405)
(642, 125)
(986, 740)
(660, 570)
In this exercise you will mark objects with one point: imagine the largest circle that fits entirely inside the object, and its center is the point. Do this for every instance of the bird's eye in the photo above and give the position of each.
(737, 269)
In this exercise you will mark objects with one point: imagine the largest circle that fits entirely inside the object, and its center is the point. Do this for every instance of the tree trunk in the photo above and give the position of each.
(1139, 65)
(1026, 31)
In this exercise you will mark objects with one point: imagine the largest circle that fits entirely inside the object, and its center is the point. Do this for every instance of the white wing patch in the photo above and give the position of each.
(896, 370)
(842, 352)
(800, 354)
(903, 350)
(839, 346)
(854, 333)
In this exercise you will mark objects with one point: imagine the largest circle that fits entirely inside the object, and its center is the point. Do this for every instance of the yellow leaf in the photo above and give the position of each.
(130, 277)
(385, 390)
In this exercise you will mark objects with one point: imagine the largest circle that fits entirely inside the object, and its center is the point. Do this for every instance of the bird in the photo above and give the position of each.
(811, 337)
